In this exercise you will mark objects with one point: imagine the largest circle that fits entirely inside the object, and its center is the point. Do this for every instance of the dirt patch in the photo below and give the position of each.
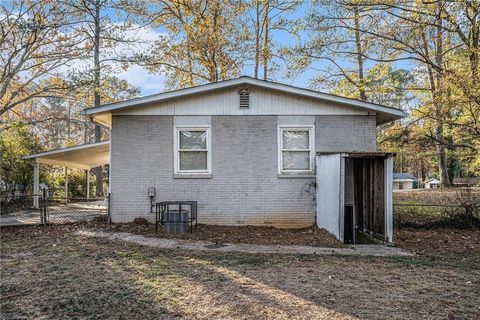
(443, 240)
(238, 234)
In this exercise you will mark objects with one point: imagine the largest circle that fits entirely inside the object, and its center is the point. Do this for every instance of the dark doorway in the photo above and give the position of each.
(349, 226)
(369, 199)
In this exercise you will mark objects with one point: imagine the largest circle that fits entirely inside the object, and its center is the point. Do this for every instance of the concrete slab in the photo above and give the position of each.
(356, 250)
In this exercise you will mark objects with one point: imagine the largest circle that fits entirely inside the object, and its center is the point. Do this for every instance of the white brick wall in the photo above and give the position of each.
(345, 133)
(244, 188)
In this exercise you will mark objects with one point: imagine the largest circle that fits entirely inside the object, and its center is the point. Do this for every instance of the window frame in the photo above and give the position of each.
(311, 150)
(176, 146)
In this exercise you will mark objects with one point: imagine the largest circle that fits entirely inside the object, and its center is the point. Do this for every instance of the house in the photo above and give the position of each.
(403, 181)
(250, 152)
(431, 183)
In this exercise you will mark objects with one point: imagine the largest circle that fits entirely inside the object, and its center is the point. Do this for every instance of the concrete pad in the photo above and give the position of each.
(356, 250)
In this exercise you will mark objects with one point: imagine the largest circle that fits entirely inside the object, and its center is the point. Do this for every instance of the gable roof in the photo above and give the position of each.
(389, 113)
(432, 180)
(403, 176)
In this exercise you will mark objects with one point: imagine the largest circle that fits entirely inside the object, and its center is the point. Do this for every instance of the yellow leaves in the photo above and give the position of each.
(56, 81)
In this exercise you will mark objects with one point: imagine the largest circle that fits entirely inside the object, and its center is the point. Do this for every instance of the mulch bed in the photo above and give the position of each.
(414, 240)
(238, 234)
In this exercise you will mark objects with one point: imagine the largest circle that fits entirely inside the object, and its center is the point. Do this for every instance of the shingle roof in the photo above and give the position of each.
(402, 175)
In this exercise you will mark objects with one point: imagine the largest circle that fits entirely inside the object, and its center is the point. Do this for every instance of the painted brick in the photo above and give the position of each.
(345, 133)
(244, 188)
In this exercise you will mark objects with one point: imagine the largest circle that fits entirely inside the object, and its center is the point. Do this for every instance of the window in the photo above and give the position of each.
(192, 150)
(296, 149)
(400, 185)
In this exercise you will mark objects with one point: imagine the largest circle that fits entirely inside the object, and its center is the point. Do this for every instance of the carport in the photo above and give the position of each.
(85, 157)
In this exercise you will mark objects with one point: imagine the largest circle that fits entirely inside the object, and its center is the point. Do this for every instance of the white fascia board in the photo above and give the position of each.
(243, 81)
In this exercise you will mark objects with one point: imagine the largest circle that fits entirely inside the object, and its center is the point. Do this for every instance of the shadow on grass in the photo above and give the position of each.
(66, 277)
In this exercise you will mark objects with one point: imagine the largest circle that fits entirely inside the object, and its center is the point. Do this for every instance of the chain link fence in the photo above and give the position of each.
(45, 209)
(20, 210)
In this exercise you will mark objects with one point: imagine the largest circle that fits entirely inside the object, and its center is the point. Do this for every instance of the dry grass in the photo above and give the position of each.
(441, 208)
(47, 273)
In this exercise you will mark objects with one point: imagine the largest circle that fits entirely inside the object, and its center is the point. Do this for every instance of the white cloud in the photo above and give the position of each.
(139, 77)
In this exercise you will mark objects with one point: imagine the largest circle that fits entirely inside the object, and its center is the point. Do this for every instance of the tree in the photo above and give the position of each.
(358, 33)
(33, 48)
(101, 35)
(337, 44)
(382, 84)
(15, 143)
(205, 41)
(435, 35)
(268, 16)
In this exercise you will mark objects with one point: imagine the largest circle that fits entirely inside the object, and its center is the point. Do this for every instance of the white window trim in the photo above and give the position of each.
(176, 149)
(311, 142)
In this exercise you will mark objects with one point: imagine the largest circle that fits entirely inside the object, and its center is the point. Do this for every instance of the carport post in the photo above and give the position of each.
(36, 184)
(87, 173)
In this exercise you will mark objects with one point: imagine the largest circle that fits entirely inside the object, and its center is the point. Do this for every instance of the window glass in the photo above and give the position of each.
(193, 160)
(296, 160)
(192, 154)
(296, 150)
(192, 140)
(295, 139)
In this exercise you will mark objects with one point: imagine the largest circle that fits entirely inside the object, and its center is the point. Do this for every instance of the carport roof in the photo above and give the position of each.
(85, 156)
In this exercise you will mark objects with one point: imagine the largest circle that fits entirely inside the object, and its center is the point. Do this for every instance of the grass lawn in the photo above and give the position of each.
(49, 273)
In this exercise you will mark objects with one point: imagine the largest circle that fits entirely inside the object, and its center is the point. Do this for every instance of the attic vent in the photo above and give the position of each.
(244, 95)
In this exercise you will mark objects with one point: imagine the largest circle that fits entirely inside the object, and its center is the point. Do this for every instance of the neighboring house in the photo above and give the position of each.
(431, 183)
(403, 181)
(247, 151)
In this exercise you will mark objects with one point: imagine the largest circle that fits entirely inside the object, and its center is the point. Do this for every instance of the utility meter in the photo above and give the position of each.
(151, 192)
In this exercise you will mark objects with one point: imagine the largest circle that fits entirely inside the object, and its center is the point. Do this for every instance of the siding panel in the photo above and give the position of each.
(225, 102)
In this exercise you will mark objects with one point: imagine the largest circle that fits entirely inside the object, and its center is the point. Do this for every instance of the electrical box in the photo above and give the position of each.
(151, 192)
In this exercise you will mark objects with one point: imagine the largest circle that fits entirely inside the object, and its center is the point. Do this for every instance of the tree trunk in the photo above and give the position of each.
(96, 94)
(435, 82)
(358, 43)
(442, 157)
(474, 50)
(257, 39)
(266, 48)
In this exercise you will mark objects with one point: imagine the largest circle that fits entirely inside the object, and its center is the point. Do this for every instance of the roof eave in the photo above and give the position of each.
(60, 150)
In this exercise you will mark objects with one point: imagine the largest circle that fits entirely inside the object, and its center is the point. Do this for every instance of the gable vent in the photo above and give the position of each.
(244, 95)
